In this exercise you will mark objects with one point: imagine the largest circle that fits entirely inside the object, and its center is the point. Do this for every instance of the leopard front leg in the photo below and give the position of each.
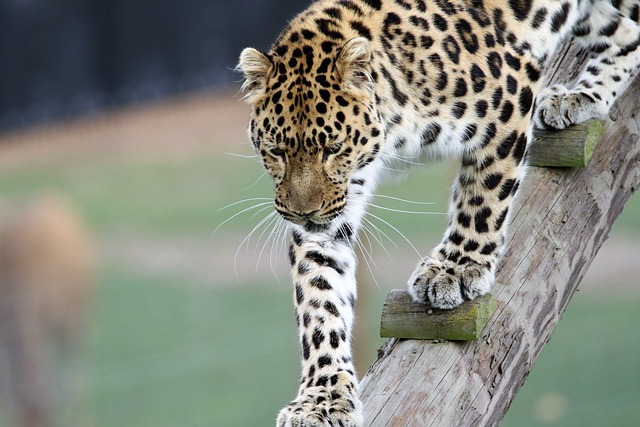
(325, 291)
(462, 267)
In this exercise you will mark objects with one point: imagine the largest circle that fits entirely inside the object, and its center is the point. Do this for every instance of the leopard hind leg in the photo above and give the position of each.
(612, 35)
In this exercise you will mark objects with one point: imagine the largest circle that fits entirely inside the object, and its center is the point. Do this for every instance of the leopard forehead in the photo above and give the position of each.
(305, 106)
(303, 115)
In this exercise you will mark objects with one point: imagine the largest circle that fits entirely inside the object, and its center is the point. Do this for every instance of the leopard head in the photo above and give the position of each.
(314, 122)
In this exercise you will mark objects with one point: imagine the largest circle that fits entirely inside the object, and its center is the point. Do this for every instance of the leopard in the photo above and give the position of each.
(353, 89)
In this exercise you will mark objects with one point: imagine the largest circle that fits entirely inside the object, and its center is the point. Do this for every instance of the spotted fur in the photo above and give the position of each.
(353, 87)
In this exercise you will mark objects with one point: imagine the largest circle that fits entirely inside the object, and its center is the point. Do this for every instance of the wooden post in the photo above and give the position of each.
(404, 318)
(573, 147)
(560, 220)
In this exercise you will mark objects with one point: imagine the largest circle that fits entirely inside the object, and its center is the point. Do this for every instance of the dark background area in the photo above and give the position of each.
(60, 58)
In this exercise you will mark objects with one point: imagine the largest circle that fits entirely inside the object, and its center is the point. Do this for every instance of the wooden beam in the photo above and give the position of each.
(573, 147)
(560, 220)
(402, 317)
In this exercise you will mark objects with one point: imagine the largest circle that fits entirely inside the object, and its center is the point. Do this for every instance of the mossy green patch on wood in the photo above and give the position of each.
(571, 147)
(404, 318)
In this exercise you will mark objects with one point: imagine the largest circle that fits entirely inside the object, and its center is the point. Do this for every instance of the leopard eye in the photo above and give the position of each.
(331, 149)
(277, 152)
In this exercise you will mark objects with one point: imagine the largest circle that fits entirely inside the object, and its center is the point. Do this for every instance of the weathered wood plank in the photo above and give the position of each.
(573, 147)
(402, 317)
(560, 220)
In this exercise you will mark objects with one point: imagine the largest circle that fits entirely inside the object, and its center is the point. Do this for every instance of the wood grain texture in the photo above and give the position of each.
(560, 219)
(402, 317)
(571, 148)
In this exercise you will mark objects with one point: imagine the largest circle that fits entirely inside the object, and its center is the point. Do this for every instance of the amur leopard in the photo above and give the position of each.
(353, 88)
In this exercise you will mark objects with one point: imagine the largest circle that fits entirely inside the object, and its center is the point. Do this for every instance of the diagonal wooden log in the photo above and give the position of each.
(560, 220)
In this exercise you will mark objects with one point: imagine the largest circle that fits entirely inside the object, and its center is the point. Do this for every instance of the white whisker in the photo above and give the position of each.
(396, 230)
(404, 211)
(280, 232)
(380, 234)
(373, 231)
(366, 252)
(273, 224)
(392, 169)
(264, 208)
(365, 233)
(255, 183)
(267, 218)
(368, 259)
(383, 196)
(242, 156)
(407, 160)
(276, 237)
(252, 199)
(366, 255)
(240, 213)
(284, 235)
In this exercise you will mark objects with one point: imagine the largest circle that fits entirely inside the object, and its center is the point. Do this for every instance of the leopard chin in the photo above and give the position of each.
(310, 223)
(314, 227)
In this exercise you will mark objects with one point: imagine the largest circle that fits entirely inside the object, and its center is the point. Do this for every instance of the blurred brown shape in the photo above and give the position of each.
(47, 274)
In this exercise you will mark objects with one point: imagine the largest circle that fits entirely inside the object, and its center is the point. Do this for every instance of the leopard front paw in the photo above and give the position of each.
(559, 107)
(321, 410)
(447, 285)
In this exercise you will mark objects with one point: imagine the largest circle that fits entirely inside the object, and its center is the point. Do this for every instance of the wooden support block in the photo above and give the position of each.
(404, 318)
(572, 147)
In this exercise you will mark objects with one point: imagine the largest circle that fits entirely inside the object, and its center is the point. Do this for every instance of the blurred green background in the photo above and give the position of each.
(192, 322)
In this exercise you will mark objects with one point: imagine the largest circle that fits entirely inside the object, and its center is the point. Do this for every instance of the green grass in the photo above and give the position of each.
(589, 373)
(167, 353)
(628, 223)
(155, 196)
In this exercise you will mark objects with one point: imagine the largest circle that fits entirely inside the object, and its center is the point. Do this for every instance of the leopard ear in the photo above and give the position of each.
(354, 64)
(256, 67)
